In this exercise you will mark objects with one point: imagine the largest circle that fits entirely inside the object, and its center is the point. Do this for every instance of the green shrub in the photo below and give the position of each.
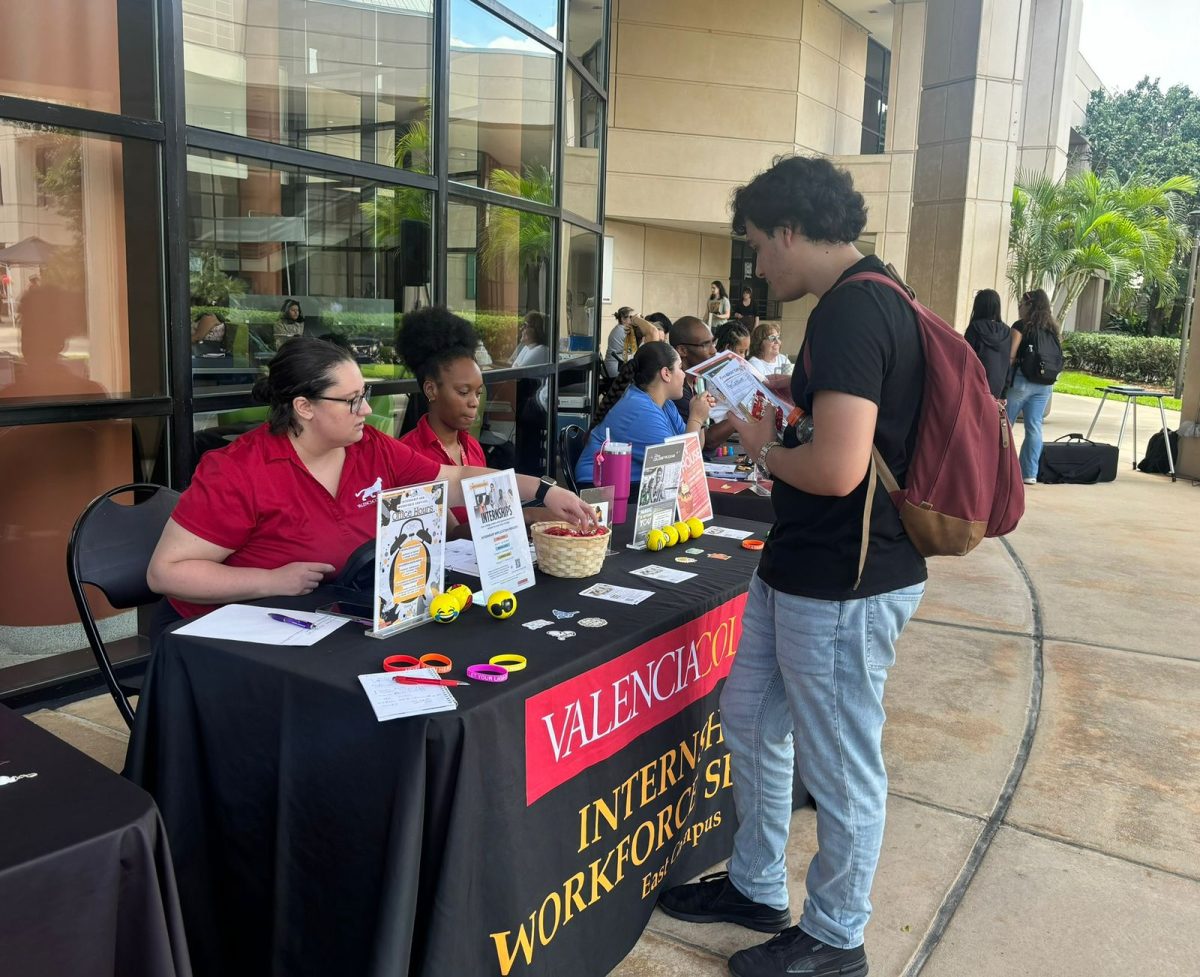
(1136, 359)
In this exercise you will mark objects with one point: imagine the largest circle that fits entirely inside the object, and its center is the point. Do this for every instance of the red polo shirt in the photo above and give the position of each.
(257, 498)
(424, 441)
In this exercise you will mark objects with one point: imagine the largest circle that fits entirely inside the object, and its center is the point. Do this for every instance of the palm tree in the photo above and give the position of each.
(518, 236)
(1065, 232)
(390, 208)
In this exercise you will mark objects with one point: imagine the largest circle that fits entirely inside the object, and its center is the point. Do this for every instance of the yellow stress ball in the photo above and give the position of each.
(695, 527)
(502, 604)
(443, 608)
(684, 533)
(656, 540)
(461, 594)
(672, 535)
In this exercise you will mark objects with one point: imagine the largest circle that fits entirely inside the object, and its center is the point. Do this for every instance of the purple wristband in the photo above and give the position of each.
(487, 673)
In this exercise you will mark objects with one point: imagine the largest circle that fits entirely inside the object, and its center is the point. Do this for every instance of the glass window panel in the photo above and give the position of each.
(584, 125)
(585, 36)
(349, 79)
(63, 467)
(540, 13)
(97, 55)
(81, 292)
(502, 106)
(581, 261)
(353, 255)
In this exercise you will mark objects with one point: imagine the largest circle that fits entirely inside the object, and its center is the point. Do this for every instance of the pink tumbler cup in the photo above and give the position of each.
(612, 465)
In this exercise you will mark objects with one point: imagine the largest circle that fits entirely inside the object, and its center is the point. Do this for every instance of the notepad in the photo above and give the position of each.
(242, 622)
(391, 700)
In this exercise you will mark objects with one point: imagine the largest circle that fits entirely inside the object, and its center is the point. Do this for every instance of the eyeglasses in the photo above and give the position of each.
(703, 345)
(355, 402)
(772, 339)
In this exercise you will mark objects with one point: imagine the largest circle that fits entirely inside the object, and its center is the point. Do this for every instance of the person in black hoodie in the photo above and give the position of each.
(990, 338)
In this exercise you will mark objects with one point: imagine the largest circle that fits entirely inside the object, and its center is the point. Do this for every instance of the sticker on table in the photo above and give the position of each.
(719, 556)
(536, 625)
(619, 595)
(685, 559)
(665, 574)
(592, 622)
(725, 532)
(696, 551)
(565, 615)
(561, 635)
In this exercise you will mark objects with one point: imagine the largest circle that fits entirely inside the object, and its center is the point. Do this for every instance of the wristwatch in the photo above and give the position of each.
(546, 483)
(762, 455)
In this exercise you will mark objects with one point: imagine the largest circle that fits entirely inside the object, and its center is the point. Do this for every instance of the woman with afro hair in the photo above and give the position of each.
(439, 348)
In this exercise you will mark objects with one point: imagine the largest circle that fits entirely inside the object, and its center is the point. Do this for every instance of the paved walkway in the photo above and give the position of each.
(1043, 743)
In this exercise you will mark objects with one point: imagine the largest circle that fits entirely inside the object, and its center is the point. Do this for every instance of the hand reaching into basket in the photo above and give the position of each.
(570, 508)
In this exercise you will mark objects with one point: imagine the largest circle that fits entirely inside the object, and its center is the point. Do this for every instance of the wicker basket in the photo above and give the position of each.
(569, 556)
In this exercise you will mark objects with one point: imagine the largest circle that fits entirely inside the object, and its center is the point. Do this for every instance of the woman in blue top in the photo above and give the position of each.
(645, 415)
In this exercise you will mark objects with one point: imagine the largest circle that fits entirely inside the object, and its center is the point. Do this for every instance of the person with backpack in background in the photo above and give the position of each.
(805, 692)
(990, 338)
(1036, 352)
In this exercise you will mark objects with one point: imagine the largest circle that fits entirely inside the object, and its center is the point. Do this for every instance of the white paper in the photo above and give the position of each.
(391, 700)
(736, 382)
(727, 533)
(619, 595)
(669, 574)
(715, 469)
(241, 622)
(498, 532)
(662, 470)
(460, 557)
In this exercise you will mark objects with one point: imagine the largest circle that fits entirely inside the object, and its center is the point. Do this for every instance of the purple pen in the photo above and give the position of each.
(284, 619)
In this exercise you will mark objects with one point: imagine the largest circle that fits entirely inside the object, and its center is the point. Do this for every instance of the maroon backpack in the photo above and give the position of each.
(964, 480)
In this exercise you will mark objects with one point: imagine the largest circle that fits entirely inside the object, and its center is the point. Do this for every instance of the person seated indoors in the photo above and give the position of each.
(664, 324)
(208, 328)
(439, 347)
(765, 353)
(645, 414)
(280, 510)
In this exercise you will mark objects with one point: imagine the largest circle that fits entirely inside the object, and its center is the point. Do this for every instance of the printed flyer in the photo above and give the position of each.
(498, 532)
(662, 471)
(735, 383)
(693, 498)
(410, 558)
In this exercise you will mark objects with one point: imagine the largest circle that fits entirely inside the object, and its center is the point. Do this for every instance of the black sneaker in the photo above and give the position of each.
(795, 952)
(714, 899)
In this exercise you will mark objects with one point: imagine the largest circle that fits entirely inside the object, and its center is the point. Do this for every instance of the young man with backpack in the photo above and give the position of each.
(1038, 359)
(839, 578)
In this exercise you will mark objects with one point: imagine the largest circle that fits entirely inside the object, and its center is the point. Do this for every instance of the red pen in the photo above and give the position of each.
(416, 680)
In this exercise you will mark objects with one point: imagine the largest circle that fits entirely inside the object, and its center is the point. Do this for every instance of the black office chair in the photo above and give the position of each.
(571, 441)
(110, 548)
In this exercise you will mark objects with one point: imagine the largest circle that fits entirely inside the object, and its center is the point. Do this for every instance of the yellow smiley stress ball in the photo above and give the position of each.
(684, 533)
(695, 527)
(655, 540)
(672, 535)
(443, 608)
(502, 604)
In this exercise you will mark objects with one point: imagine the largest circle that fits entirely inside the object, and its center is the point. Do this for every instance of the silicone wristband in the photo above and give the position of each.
(514, 663)
(752, 544)
(403, 663)
(487, 673)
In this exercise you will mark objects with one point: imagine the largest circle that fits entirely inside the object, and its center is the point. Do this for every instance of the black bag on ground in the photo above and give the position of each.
(1040, 356)
(1075, 460)
(1155, 462)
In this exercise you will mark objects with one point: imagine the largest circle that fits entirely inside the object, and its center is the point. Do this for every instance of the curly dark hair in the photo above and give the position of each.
(432, 337)
(808, 194)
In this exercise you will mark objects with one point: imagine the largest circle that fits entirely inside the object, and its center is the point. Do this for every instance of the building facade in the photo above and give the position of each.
(174, 173)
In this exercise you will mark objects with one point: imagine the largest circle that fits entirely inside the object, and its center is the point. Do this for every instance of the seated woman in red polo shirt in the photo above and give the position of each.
(284, 506)
(439, 347)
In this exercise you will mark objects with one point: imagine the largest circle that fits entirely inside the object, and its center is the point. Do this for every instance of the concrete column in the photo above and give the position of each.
(1188, 462)
(900, 141)
(1050, 69)
(972, 91)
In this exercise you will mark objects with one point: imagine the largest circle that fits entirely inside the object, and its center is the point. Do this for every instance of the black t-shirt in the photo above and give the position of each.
(862, 340)
(684, 403)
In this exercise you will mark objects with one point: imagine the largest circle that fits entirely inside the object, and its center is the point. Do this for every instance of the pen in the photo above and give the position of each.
(284, 619)
(416, 680)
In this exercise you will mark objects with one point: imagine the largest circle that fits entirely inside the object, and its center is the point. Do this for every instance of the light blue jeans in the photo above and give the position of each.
(806, 691)
(1024, 395)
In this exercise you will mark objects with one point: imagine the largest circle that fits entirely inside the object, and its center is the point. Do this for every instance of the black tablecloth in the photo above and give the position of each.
(311, 839)
(86, 886)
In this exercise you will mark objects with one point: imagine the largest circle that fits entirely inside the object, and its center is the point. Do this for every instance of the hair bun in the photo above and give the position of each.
(261, 391)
